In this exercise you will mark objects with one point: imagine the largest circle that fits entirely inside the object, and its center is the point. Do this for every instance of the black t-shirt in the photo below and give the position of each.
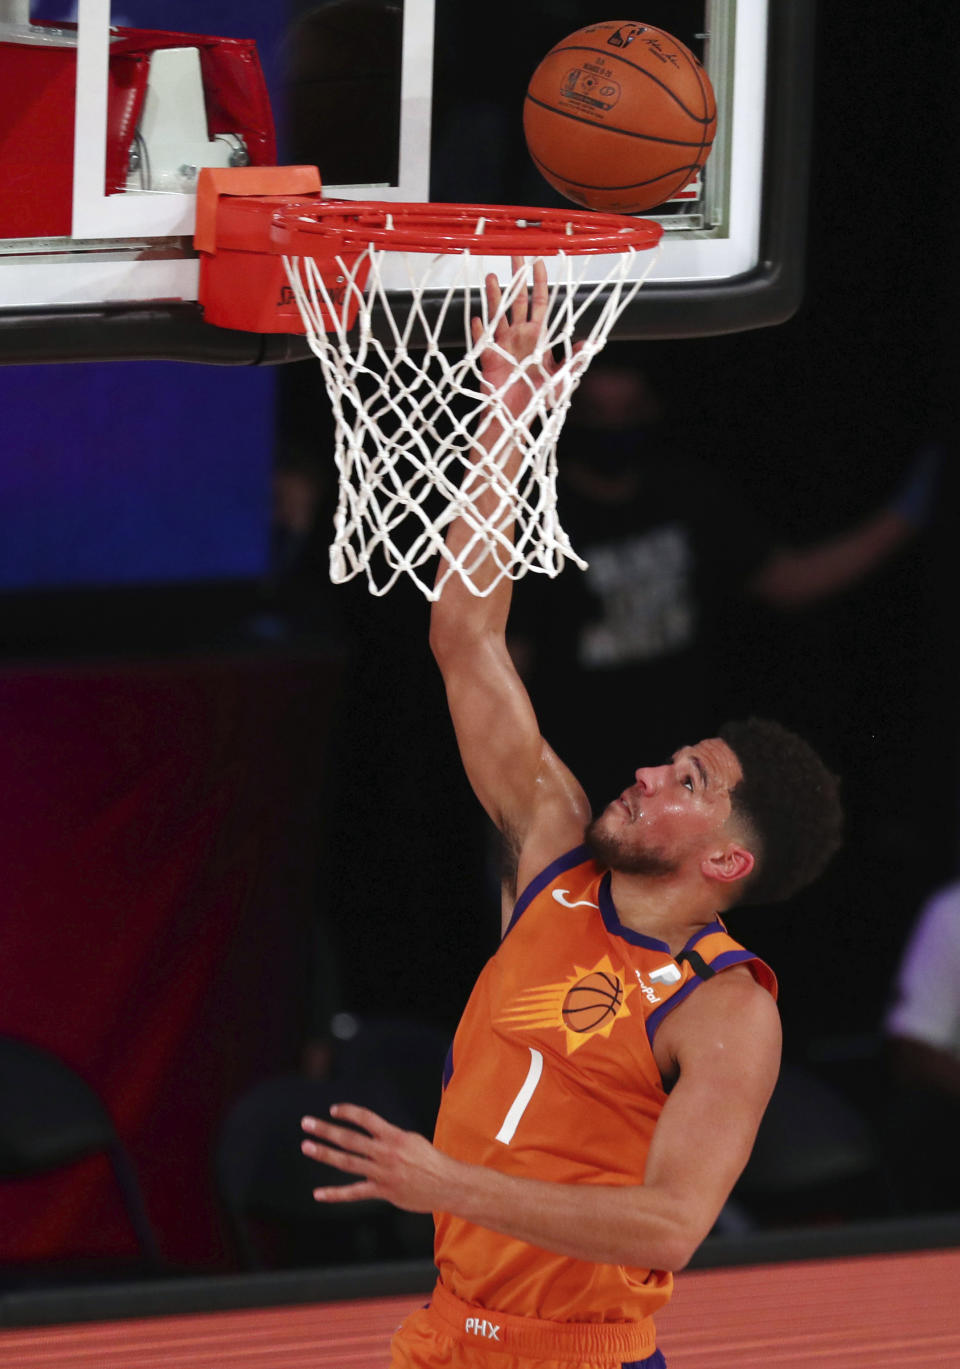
(631, 658)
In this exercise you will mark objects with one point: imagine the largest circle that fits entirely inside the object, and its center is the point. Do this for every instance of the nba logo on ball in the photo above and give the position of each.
(619, 117)
(624, 36)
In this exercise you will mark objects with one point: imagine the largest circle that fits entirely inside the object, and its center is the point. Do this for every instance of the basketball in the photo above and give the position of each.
(619, 116)
(592, 1001)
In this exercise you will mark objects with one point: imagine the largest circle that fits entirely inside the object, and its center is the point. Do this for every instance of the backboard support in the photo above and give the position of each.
(123, 281)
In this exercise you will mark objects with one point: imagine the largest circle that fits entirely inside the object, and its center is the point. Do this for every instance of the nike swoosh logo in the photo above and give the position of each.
(561, 897)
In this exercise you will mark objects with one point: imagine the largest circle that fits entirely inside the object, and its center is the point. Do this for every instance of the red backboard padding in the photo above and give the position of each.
(36, 140)
(37, 118)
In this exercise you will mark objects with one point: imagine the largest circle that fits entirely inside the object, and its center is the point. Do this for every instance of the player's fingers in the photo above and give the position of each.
(519, 308)
(572, 364)
(346, 1193)
(557, 373)
(540, 295)
(358, 1142)
(344, 1160)
(319, 1126)
(492, 288)
(494, 307)
(362, 1117)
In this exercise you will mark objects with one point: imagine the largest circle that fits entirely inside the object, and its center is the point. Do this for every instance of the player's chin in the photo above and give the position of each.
(603, 836)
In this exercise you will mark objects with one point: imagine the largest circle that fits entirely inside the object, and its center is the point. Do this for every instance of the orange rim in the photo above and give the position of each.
(489, 230)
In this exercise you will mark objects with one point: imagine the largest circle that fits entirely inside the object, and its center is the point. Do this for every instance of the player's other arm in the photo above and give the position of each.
(726, 1048)
(529, 794)
(728, 1054)
(725, 1042)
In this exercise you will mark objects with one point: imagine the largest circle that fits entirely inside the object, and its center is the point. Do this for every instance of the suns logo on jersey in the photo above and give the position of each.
(588, 1003)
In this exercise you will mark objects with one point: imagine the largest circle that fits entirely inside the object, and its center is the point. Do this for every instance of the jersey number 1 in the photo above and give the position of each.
(519, 1105)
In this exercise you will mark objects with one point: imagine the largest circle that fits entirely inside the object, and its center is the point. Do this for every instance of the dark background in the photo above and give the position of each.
(815, 421)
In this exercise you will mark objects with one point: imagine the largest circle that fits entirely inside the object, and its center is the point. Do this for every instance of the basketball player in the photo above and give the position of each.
(611, 1068)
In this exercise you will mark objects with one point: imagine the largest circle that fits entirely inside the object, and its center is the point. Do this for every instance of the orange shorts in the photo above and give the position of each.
(452, 1334)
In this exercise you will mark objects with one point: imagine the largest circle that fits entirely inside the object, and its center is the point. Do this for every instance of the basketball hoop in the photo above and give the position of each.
(407, 415)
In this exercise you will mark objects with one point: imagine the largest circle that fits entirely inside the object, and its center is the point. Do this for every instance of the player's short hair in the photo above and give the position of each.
(790, 804)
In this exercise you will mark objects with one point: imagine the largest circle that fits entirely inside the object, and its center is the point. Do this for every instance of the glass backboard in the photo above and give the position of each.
(393, 100)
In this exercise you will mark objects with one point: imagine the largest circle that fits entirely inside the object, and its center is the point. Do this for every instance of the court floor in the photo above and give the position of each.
(874, 1312)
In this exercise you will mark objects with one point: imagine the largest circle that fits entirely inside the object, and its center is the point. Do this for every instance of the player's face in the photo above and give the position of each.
(672, 812)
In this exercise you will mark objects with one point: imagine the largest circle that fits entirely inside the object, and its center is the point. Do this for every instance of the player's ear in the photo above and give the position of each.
(728, 864)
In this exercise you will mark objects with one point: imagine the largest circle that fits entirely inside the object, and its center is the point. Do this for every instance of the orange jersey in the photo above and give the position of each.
(553, 1077)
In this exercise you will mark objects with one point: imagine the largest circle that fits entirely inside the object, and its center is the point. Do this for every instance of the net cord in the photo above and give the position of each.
(407, 417)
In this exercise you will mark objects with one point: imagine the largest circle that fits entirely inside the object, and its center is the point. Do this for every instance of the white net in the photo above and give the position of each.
(407, 416)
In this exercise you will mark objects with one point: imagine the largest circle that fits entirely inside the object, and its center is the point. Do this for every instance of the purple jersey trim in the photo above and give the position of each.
(720, 962)
(658, 1014)
(704, 931)
(615, 927)
(728, 958)
(567, 861)
(448, 1067)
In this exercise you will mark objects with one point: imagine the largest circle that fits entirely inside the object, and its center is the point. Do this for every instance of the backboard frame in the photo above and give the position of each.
(760, 290)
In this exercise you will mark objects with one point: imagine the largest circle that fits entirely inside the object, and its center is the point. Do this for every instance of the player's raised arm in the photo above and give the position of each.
(533, 799)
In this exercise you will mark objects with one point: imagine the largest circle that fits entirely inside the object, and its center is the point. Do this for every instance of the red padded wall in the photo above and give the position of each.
(158, 850)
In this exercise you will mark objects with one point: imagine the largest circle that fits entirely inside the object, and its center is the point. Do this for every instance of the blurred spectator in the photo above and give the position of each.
(922, 1029)
(296, 499)
(297, 604)
(675, 554)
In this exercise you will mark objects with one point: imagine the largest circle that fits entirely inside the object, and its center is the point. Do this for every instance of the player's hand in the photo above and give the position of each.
(517, 336)
(399, 1166)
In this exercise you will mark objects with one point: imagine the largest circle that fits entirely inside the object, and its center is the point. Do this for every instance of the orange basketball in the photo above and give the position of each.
(592, 1001)
(619, 116)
